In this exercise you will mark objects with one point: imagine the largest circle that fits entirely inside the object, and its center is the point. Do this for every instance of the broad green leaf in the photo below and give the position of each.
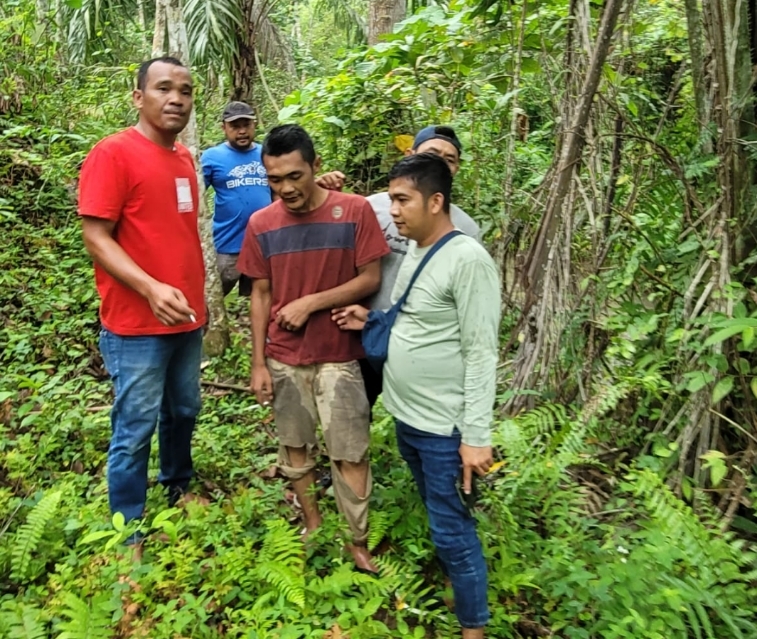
(723, 335)
(332, 119)
(119, 521)
(714, 461)
(698, 381)
(96, 536)
(753, 386)
(456, 54)
(722, 388)
(748, 336)
(170, 529)
(163, 515)
(741, 321)
(288, 112)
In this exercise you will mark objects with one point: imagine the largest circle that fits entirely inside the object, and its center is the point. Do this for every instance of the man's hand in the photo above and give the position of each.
(261, 384)
(293, 316)
(334, 181)
(169, 305)
(350, 318)
(476, 459)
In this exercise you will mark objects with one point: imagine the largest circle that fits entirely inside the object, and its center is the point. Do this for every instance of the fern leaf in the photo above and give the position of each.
(281, 561)
(30, 533)
(378, 524)
(22, 621)
(287, 582)
(84, 621)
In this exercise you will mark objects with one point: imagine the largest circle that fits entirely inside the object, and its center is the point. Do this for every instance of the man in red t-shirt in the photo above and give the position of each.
(311, 251)
(138, 201)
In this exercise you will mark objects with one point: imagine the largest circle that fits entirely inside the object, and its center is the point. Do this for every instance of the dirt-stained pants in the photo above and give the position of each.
(334, 395)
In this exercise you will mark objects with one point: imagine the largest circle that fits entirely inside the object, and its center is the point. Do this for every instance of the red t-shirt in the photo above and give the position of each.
(306, 254)
(150, 192)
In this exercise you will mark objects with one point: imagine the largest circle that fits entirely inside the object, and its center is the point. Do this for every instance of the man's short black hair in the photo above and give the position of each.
(145, 67)
(429, 174)
(289, 138)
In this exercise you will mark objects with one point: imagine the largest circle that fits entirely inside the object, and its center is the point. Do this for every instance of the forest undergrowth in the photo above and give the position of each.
(621, 504)
(580, 542)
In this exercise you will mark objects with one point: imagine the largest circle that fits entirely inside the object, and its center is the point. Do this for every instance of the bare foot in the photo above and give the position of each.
(311, 526)
(363, 558)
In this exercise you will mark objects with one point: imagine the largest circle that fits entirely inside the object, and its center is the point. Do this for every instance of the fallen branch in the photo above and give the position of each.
(234, 387)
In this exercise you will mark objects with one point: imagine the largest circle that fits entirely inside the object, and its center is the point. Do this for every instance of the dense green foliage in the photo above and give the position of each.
(593, 524)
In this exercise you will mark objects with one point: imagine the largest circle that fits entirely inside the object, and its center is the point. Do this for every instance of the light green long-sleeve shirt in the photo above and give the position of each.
(442, 364)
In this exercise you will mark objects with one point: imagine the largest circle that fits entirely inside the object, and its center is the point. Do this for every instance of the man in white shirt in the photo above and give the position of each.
(441, 141)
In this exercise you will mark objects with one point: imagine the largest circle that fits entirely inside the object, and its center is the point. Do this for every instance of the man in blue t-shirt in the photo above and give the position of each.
(235, 170)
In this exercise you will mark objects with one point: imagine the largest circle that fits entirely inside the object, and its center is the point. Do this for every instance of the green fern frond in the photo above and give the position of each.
(84, 621)
(282, 544)
(543, 420)
(30, 533)
(716, 560)
(286, 581)
(608, 394)
(281, 561)
(378, 524)
(22, 621)
(237, 565)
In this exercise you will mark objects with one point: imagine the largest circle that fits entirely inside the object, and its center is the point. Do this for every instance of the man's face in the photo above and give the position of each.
(445, 150)
(412, 214)
(240, 133)
(292, 179)
(166, 101)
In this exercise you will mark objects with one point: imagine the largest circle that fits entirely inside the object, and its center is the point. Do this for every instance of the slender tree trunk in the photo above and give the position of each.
(571, 151)
(159, 35)
(243, 66)
(545, 261)
(694, 23)
(217, 338)
(500, 248)
(382, 16)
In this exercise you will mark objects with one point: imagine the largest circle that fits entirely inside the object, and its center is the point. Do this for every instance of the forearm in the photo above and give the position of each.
(479, 390)
(260, 312)
(357, 289)
(477, 298)
(108, 254)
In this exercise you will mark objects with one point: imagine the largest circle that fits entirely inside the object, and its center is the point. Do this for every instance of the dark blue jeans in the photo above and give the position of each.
(435, 463)
(157, 383)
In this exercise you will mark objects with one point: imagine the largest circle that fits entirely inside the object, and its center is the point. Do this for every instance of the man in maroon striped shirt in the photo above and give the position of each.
(309, 252)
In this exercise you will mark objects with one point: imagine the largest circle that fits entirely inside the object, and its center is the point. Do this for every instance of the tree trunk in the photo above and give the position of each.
(545, 257)
(159, 34)
(217, 338)
(694, 23)
(382, 16)
(243, 63)
(571, 151)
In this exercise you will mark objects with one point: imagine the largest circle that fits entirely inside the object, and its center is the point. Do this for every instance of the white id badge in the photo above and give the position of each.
(184, 195)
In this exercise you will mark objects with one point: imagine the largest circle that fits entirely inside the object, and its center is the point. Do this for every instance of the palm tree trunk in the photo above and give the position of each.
(217, 338)
(382, 16)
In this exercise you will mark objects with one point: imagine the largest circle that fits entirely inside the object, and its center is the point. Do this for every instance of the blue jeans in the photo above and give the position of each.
(157, 383)
(435, 463)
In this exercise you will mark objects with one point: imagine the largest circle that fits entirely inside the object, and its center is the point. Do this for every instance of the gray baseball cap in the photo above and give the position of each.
(237, 111)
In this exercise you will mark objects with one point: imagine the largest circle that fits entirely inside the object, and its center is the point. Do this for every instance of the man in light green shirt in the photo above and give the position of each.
(439, 378)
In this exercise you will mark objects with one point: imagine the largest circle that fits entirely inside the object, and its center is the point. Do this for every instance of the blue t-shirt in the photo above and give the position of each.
(241, 188)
